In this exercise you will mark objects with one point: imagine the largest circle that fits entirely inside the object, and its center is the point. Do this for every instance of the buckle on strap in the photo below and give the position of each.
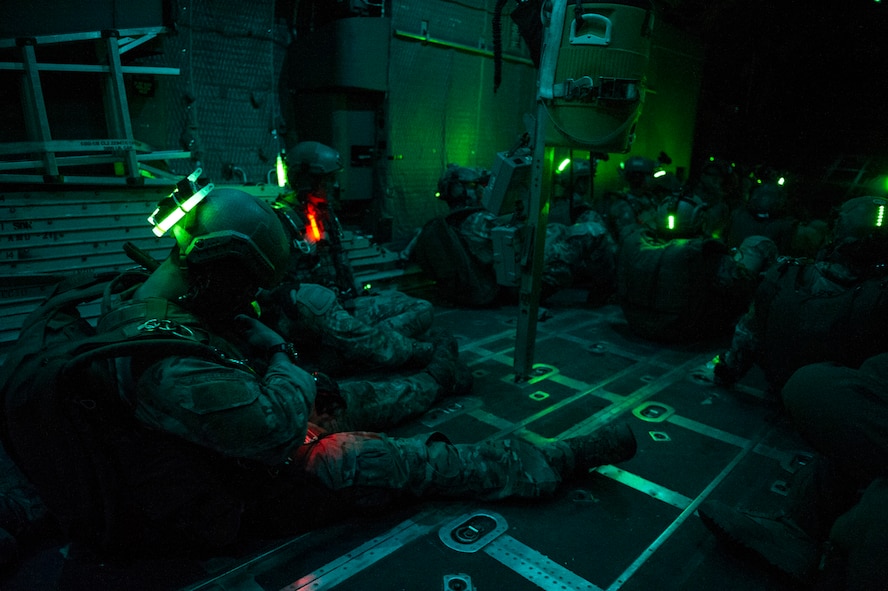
(608, 88)
(167, 327)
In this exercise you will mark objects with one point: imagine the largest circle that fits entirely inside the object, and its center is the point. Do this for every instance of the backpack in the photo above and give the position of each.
(667, 290)
(61, 415)
(801, 327)
(445, 256)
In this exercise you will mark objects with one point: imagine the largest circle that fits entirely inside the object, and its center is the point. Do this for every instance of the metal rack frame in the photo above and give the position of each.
(39, 159)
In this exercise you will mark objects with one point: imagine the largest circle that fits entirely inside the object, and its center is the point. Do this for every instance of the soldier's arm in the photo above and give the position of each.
(734, 363)
(229, 409)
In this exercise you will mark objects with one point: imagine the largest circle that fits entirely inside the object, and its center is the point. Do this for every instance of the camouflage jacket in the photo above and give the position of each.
(229, 408)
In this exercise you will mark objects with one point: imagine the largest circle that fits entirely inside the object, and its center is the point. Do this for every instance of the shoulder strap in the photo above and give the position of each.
(71, 291)
(148, 326)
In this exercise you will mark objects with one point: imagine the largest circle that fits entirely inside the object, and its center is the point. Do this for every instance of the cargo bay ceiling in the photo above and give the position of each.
(796, 82)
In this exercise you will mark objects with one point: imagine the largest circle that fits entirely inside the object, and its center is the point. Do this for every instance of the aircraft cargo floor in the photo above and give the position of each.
(632, 527)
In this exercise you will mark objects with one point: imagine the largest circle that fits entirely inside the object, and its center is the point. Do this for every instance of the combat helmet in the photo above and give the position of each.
(861, 217)
(458, 185)
(313, 158)
(860, 233)
(767, 201)
(681, 216)
(236, 235)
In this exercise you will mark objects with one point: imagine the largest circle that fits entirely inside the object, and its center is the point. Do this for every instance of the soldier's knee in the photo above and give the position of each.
(344, 460)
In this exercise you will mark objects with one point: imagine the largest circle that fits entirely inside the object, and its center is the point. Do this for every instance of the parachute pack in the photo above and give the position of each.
(443, 254)
(60, 412)
(668, 292)
(802, 327)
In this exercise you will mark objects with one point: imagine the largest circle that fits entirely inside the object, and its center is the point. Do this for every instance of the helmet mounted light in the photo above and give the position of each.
(174, 206)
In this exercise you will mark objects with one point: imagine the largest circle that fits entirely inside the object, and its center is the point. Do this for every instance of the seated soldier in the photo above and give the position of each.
(677, 284)
(833, 529)
(580, 254)
(718, 187)
(635, 203)
(832, 309)
(765, 213)
(228, 446)
(338, 329)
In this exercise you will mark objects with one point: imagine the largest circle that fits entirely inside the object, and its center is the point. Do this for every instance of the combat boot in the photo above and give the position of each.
(444, 364)
(608, 445)
(772, 538)
(421, 354)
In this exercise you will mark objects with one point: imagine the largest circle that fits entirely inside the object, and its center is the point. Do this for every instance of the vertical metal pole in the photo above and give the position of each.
(532, 258)
(538, 208)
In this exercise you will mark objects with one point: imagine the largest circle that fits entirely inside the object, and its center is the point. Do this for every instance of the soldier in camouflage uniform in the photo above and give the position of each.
(675, 283)
(832, 531)
(832, 309)
(248, 455)
(636, 203)
(580, 254)
(337, 329)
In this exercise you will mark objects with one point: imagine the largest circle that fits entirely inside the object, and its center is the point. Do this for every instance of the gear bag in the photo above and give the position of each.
(666, 289)
(61, 418)
(846, 327)
(444, 255)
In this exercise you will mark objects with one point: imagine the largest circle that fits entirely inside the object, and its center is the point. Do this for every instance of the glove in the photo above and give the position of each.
(756, 254)
(328, 399)
(258, 337)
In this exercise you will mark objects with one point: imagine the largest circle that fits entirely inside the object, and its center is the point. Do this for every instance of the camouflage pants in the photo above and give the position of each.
(378, 333)
(380, 404)
(580, 253)
(842, 412)
(403, 314)
(431, 466)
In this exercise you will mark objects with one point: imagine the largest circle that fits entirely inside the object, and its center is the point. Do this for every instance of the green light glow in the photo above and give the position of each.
(281, 171)
(670, 222)
(161, 226)
(781, 181)
(170, 210)
(880, 217)
(564, 164)
(659, 173)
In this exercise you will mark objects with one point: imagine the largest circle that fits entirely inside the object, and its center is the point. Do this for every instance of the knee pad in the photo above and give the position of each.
(313, 299)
